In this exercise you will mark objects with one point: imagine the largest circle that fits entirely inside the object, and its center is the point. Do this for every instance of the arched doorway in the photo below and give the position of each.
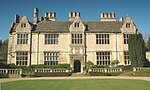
(77, 66)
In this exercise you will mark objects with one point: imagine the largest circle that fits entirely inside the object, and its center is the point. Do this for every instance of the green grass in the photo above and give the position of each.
(99, 84)
(145, 72)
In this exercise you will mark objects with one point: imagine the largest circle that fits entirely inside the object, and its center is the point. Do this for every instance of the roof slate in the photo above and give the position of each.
(53, 26)
(63, 26)
(104, 26)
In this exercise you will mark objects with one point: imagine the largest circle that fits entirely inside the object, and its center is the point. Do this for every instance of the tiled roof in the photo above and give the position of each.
(103, 26)
(63, 26)
(13, 27)
(53, 26)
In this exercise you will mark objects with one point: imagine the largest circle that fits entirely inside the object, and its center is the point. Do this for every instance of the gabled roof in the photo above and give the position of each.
(103, 26)
(13, 27)
(63, 26)
(53, 26)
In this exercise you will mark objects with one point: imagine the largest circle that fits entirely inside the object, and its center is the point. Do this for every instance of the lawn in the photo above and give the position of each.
(99, 84)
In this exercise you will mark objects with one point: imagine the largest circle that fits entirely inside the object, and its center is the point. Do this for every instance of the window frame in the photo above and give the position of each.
(51, 39)
(51, 58)
(76, 38)
(126, 58)
(103, 57)
(23, 25)
(22, 58)
(76, 24)
(126, 38)
(22, 38)
(128, 25)
(102, 38)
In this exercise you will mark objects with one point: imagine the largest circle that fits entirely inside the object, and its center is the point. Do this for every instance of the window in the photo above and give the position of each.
(126, 37)
(128, 25)
(22, 38)
(126, 58)
(21, 58)
(51, 58)
(102, 39)
(76, 25)
(103, 58)
(23, 25)
(51, 38)
(76, 38)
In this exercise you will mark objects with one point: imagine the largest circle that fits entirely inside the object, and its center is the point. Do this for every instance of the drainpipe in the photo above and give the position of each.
(85, 48)
(116, 46)
(30, 47)
(38, 50)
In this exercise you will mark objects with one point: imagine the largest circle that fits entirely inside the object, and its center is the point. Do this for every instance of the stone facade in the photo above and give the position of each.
(77, 40)
(148, 56)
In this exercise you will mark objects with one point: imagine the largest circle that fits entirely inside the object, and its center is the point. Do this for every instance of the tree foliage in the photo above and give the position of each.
(137, 49)
(115, 63)
(148, 44)
(3, 51)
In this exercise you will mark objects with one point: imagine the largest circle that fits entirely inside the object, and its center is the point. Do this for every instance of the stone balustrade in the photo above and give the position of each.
(44, 70)
(105, 70)
(11, 71)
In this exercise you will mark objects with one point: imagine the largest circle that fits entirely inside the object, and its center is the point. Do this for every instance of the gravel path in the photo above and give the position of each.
(69, 78)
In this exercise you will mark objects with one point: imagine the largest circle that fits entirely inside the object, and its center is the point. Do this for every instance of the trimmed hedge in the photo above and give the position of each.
(100, 66)
(126, 68)
(104, 74)
(4, 75)
(51, 66)
(52, 74)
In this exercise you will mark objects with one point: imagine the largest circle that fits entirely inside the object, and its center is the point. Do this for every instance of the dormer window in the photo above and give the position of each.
(128, 25)
(76, 25)
(23, 25)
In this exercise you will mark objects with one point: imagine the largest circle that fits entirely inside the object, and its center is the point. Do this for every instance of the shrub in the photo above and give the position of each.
(104, 73)
(51, 74)
(53, 66)
(100, 66)
(126, 68)
(145, 72)
(4, 75)
(28, 75)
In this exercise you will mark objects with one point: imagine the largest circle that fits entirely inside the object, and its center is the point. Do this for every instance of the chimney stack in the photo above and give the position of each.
(35, 19)
(41, 18)
(121, 19)
(17, 18)
(108, 16)
(72, 15)
(50, 16)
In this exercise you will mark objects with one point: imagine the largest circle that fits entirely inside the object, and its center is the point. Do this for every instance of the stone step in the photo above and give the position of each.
(78, 75)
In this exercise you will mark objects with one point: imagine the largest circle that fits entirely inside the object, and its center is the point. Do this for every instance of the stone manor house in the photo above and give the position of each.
(51, 42)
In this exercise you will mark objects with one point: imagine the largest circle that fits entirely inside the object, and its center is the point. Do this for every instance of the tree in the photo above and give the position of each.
(137, 49)
(3, 51)
(148, 43)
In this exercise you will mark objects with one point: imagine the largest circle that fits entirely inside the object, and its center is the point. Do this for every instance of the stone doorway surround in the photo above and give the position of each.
(77, 66)
(79, 57)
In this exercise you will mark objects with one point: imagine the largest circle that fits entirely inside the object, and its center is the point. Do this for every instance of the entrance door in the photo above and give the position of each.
(77, 66)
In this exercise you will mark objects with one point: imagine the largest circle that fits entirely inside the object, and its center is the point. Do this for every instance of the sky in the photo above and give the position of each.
(90, 10)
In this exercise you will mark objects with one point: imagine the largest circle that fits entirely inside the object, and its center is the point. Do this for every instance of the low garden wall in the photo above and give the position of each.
(105, 70)
(11, 71)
